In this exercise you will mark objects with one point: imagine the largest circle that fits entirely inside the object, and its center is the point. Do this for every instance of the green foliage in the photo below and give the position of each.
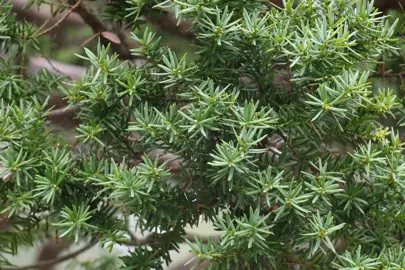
(252, 123)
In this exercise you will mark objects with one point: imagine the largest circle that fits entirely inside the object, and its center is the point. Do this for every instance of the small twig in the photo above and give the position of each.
(7, 176)
(389, 75)
(139, 242)
(131, 139)
(98, 26)
(60, 20)
(63, 111)
(402, 81)
(132, 235)
(168, 22)
(90, 39)
(53, 66)
(203, 238)
(148, 240)
(37, 64)
(3, 220)
(58, 4)
(383, 69)
(293, 261)
(288, 145)
(39, 16)
(43, 25)
(53, 261)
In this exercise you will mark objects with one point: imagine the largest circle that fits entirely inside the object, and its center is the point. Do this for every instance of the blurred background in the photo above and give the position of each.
(58, 49)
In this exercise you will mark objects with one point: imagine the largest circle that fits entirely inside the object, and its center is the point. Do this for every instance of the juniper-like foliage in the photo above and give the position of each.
(279, 138)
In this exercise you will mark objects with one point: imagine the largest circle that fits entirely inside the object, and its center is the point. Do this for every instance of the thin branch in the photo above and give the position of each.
(388, 75)
(131, 139)
(132, 235)
(84, 43)
(63, 111)
(44, 23)
(37, 64)
(53, 261)
(53, 66)
(75, 6)
(139, 242)
(149, 239)
(288, 145)
(203, 238)
(7, 176)
(168, 23)
(98, 26)
(41, 15)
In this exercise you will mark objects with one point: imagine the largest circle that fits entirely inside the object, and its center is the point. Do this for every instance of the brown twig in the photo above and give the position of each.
(44, 23)
(402, 81)
(168, 23)
(203, 238)
(39, 16)
(84, 43)
(53, 261)
(388, 75)
(63, 111)
(75, 6)
(131, 139)
(7, 176)
(139, 242)
(297, 262)
(37, 64)
(98, 26)
(54, 68)
(22, 64)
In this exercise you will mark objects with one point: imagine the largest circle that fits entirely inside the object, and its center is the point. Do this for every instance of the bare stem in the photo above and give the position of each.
(98, 26)
(63, 111)
(60, 20)
(388, 75)
(149, 239)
